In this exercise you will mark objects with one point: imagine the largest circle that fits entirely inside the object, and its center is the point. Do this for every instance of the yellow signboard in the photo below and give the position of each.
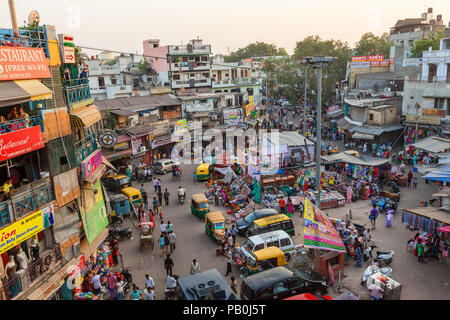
(20, 231)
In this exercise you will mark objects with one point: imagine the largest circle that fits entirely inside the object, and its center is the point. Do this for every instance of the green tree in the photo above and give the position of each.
(370, 44)
(143, 65)
(315, 46)
(258, 49)
(433, 40)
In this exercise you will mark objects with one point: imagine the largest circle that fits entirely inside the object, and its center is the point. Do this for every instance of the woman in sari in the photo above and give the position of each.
(349, 194)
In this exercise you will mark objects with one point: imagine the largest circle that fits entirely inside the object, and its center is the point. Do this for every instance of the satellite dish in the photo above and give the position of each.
(34, 17)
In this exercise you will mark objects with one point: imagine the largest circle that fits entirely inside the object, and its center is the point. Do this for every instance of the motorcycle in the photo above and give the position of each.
(171, 293)
(384, 257)
(181, 199)
(119, 233)
(374, 268)
(127, 280)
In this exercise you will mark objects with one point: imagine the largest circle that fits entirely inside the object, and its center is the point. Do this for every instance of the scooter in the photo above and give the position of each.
(374, 268)
(181, 199)
(384, 257)
(171, 293)
(119, 233)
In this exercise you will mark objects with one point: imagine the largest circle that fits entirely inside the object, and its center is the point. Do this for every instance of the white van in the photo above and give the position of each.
(278, 238)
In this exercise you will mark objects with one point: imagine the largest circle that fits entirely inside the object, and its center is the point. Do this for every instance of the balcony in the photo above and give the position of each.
(18, 124)
(33, 275)
(190, 66)
(26, 199)
(27, 38)
(178, 84)
(237, 82)
(77, 93)
(85, 148)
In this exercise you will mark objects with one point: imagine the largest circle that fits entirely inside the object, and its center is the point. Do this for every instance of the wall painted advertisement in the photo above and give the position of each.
(232, 116)
(94, 215)
(25, 228)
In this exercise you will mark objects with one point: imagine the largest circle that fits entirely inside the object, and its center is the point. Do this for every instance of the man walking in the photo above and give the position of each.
(172, 240)
(234, 231)
(155, 184)
(166, 197)
(373, 216)
(145, 198)
(155, 205)
(160, 196)
(410, 176)
(229, 260)
(168, 264)
(149, 283)
(195, 267)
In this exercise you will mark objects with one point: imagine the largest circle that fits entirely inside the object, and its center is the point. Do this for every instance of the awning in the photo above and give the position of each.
(85, 117)
(118, 154)
(20, 91)
(442, 174)
(105, 161)
(433, 144)
(432, 213)
(97, 174)
(363, 136)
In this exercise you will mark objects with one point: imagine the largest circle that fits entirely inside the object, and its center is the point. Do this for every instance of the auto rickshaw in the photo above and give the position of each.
(264, 259)
(120, 205)
(116, 183)
(203, 172)
(215, 226)
(146, 239)
(133, 195)
(199, 205)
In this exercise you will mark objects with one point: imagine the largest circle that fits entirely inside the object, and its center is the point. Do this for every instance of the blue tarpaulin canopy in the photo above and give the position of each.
(443, 174)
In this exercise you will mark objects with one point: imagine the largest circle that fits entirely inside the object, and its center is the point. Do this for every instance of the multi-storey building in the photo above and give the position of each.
(426, 103)
(49, 118)
(190, 67)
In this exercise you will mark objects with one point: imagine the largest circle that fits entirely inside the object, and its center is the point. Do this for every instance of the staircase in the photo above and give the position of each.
(57, 88)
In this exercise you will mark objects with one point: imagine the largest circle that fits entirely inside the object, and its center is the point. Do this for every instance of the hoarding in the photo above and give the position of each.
(368, 58)
(232, 116)
(91, 163)
(20, 63)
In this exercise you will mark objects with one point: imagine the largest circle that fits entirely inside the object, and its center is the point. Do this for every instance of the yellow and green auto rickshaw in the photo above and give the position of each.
(215, 226)
(264, 259)
(134, 196)
(203, 172)
(199, 205)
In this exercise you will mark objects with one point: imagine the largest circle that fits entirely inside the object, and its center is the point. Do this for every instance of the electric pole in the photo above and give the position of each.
(318, 138)
(304, 104)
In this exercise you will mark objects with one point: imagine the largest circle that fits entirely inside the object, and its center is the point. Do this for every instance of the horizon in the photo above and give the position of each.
(81, 20)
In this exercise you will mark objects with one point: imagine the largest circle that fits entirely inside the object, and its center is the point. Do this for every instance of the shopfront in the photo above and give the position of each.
(27, 252)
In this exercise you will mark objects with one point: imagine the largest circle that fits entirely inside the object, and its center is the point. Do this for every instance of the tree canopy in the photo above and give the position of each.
(433, 41)
(370, 44)
(258, 49)
(315, 46)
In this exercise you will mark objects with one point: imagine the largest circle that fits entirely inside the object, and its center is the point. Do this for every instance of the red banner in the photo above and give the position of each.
(20, 63)
(20, 142)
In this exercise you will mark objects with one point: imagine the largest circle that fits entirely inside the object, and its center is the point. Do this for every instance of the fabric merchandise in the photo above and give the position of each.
(421, 223)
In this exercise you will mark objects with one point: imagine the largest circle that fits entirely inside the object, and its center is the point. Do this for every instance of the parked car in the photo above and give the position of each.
(281, 283)
(243, 223)
(278, 238)
(165, 165)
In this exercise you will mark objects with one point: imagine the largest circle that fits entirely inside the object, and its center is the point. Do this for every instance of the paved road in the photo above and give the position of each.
(420, 281)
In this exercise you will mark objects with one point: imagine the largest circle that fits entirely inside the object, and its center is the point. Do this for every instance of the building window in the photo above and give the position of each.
(439, 103)
(176, 77)
(206, 74)
(371, 116)
(448, 73)
(192, 75)
(448, 106)
(204, 58)
(432, 71)
(113, 81)
(101, 82)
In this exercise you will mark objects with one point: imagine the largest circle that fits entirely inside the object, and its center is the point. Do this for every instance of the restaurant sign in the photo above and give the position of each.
(91, 163)
(368, 58)
(19, 63)
(20, 142)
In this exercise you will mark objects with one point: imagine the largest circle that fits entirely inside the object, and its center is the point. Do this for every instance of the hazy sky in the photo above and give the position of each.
(123, 24)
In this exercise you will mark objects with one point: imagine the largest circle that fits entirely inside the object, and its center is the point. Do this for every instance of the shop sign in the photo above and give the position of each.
(434, 112)
(135, 144)
(360, 64)
(382, 63)
(232, 116)
(368, 58)
(181, 127)
(91, 163)
(334, 108)
(23, 63)
(68, 54)
(26, 228)
(121, 146)
(16, 143)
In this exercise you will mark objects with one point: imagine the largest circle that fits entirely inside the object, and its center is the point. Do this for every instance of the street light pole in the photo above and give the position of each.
(304, 105)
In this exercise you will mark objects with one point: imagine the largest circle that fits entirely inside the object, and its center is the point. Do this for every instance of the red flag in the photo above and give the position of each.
(331, 273)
